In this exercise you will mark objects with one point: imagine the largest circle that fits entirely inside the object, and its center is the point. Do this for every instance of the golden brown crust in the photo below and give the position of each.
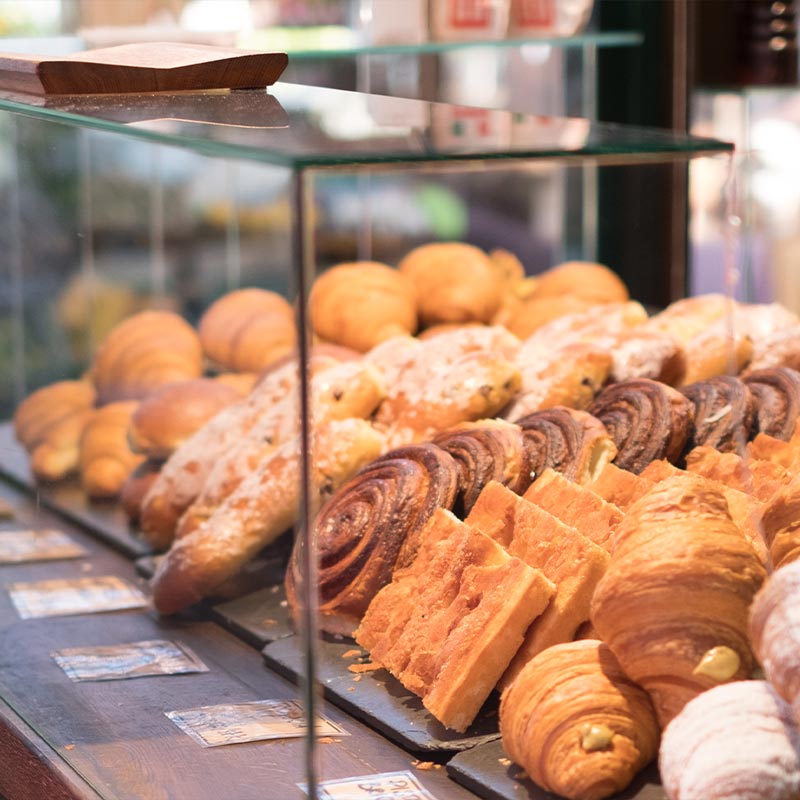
(143, 353)
(676, 594)
(716, 351)
(170, 415)
(584, 279)
(618, 486)
(576, 723)
(247, 329)
(524, 317)
(452, 282)
(362, 304)
(47, 407)
(780, 525)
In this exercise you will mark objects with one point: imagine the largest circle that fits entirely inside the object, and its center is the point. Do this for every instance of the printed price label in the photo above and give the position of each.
(212, 726)
(134, 660)
(57, 598)
(385, 786)
(45, 545)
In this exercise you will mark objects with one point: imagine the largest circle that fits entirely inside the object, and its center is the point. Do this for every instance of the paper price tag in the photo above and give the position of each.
(134, 660)
(212, 726)
(29, 545)
(57, 598)
(385, 786)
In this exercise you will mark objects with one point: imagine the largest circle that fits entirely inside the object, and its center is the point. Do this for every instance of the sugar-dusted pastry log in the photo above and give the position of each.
(575, 505)
(576, 723)
(673, 602)
(170, 415)
(644, 351)
(106, 459)
(618, 486)
(362, 304)
(718, 350)
(456, 377)
(566, 557)
(349, 389)
(454, 282)
(567, 440)
(569, 376)
(690, 317)
(781, 524)
(646, 419)
(371, 522)
(779, 349)
(488, 450)
(263, 507)
(724, 413)
(49, 423)
(775, 632)
(777, 393)
(143, 353)
(247, 329)
(758, 478)
(733, 742)
(448, 624)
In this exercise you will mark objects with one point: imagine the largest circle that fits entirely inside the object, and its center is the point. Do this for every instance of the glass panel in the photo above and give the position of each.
(303, 126)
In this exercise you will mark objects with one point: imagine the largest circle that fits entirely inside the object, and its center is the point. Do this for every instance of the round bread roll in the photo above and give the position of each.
(172, 414)
(527, 316)
(361, 304)
(143, 353)
(595, 283)
(247, 329)
(454, 282)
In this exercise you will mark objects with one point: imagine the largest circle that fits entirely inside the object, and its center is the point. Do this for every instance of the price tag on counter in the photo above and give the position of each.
(18, 546)
(385, 786)
(134, 660)
(58, 598)
(212, 726)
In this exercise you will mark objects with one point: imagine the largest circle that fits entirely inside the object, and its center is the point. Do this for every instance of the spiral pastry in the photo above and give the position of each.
(490, 450)
(777, 393)
(724, 413)
(646, 419)
(775, 632)
(576, 723)
(569, 441)
(372, 524)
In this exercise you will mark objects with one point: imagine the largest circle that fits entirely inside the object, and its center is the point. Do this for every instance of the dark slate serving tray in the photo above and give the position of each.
(258, 618)
(485, 771)
(106, 521)
(379, 700)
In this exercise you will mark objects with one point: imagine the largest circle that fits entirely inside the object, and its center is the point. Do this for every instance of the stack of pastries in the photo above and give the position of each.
(579, 498)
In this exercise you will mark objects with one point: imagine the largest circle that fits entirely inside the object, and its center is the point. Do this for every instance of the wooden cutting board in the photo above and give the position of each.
(141, 68)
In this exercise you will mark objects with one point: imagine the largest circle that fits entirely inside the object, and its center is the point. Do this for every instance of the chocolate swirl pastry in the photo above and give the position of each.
(490, 450)
(369, 526)
(777, 394)
(569, 441)
(724, 413)
(646, 419)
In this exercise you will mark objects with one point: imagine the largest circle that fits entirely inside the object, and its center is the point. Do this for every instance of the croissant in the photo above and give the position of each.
(447, 625)
(371, 522)
(780, 524)
(775, 633)
(565, 557)
(348, 389)
(143, 353)
(777, 393)
(106, 460)
(724, 413)
(489, 450)
(673, 602)
(170, 415)
(362, 304)
(567, 440)
(263, 506)
(734, 741)
(49, 423)
(453, 282)
(576, 723)
(247, 329)
(646, 419)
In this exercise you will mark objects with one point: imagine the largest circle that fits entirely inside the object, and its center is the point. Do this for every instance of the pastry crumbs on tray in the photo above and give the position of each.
(352, 653)
(506, 762)
(357, 678)
(424, 765)
(368, 667)
(327, 740)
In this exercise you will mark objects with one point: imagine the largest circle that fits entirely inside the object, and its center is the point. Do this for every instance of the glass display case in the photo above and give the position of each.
(358, 216)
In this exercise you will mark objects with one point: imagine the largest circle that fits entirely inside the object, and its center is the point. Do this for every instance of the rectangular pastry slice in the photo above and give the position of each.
(620, 487)
(448, 625)
(575, 505)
